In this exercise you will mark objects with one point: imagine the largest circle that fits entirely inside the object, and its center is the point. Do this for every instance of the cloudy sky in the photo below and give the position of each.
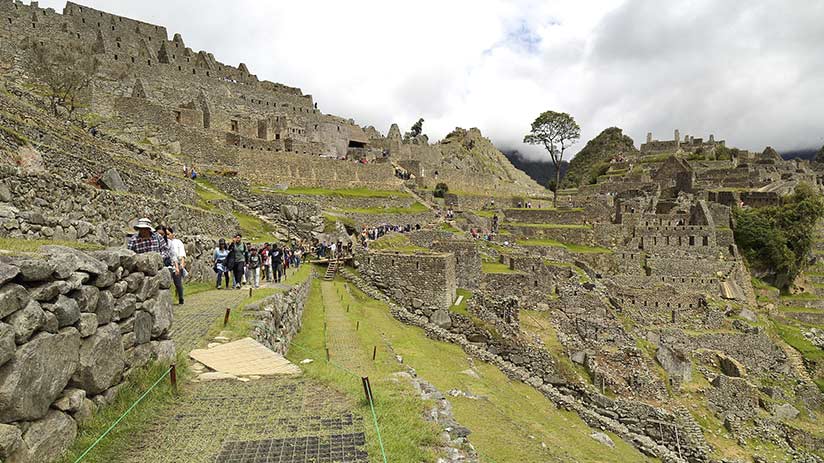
(749, 71)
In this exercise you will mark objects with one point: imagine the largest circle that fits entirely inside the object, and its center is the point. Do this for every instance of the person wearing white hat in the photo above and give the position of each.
(146, 240)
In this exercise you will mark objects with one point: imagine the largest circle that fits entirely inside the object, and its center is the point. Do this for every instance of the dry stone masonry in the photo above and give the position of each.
(74, 326)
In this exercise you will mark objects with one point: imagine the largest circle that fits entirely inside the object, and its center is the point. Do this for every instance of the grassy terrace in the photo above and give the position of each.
(569, 247)
(22, 245)
(395, 242)
(345, 192)
(549, 225)
(509, 420)
(495, 267)
(416, 208)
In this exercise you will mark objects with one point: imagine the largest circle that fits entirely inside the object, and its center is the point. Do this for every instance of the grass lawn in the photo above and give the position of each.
(23, 245)
(549, 225)
(395, 242)
(115, 444)
(509, 420)
(461, 308)
(253, 228)
(497, 267)
(346, 192)
(416, 208)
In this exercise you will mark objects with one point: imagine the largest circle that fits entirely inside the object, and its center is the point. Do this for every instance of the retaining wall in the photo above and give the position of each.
(74, 326)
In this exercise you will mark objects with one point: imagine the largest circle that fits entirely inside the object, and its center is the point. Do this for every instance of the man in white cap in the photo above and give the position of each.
(146, 240)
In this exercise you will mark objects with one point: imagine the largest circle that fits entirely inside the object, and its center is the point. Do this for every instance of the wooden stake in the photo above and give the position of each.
(357, 325)
(173, 377)
(374, 352)
(226, 316)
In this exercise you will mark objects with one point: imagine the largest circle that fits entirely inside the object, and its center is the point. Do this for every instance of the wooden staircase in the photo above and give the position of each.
(331, 270)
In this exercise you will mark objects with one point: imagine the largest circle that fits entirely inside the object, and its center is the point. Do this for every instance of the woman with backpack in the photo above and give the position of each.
(219, 257)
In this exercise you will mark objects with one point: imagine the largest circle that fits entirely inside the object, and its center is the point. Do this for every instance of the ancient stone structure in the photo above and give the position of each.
(74, 326)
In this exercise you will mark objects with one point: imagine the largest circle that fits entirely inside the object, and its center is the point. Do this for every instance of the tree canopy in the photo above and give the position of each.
(777, 240)
(555, 132)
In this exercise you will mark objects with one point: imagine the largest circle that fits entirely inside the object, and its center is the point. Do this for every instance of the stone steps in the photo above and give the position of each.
(796, 362)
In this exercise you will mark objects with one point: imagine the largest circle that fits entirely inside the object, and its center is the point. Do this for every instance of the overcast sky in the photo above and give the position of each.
(751, 72)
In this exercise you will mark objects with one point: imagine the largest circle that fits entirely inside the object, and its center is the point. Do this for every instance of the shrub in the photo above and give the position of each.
(777, 240)
(441, 189)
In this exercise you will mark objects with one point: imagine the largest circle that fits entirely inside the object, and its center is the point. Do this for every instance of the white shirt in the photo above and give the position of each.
(177, 248)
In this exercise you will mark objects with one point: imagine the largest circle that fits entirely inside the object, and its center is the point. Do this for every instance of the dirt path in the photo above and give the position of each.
(277, 420)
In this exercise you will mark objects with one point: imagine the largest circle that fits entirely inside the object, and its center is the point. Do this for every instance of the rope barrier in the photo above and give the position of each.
(375, 419)
(117, 421)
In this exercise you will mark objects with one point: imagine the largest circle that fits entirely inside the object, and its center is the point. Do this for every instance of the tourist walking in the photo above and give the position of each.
(266, 261)
(277, 258)
(179, 251)
(146, 239)
(219, 257)
(170, 261)
(237, 254)
(254, 268)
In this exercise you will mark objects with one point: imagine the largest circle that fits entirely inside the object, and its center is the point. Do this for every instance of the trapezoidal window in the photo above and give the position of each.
(234, 126)
(356, 144)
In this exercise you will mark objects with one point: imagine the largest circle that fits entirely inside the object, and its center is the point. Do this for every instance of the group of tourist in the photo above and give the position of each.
(245, 263)
(402, 174)
(332, 249)
(372, 233)
(163, 241)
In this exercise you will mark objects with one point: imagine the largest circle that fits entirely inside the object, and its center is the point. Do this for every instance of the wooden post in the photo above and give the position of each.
(327, 355)
(226, 316)
(173, 377)
(374, 352)
(367, 388)
(250, 291)
(357, 325)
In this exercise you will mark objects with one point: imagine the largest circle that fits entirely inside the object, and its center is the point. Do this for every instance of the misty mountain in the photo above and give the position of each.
(541, 171)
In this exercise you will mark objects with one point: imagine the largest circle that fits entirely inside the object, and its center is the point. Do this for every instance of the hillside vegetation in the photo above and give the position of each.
(588, 163)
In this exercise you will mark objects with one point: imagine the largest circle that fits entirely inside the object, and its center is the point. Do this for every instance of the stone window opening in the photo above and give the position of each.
(180, 68)
(115, 57)
(9, 20)
(692, 241)
(149, 62)
(193, 71)
(132, 59)
(84, 20)
(277, 136)
(705, 241)
(33, 25)
(98, 24)
(536, 283)
(112, 27)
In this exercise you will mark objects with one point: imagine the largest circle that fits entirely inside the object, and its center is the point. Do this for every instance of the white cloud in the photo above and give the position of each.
(749, 72)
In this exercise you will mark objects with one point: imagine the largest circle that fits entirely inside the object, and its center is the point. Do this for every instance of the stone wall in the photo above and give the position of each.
(74, 326)
(278, 317)
(417, 280)
(42, 206)
(467, 261)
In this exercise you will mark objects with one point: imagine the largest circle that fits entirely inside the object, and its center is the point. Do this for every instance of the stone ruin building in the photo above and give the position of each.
(630, 304)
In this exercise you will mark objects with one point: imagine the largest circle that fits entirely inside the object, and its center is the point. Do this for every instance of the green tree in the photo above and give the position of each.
(441, 189)
(555, 132)
(777, 240)
(417, 129)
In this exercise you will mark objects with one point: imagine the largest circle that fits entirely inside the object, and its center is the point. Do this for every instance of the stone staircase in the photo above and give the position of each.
(331, 270)
(796, 362)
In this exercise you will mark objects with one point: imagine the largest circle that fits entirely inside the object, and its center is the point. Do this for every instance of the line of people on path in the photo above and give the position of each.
(163, 241)
(245, 263)
(368, 234)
